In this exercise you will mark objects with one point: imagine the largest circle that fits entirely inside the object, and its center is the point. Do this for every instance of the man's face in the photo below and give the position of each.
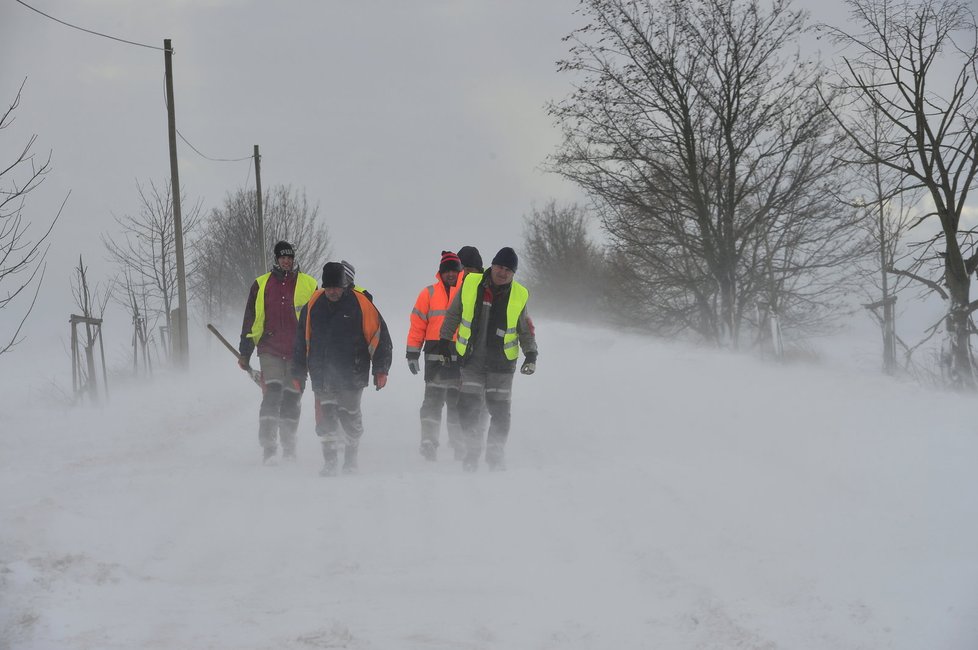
(333, 293)
(501, 275)
(285, 262)
(449, 277)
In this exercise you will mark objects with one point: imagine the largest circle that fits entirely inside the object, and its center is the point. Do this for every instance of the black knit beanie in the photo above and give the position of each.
(470, 257)
(284, 249)
(506, 257)
(334, 275)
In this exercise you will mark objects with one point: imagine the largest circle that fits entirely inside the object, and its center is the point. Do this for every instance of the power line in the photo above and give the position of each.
(196, 150)
(248, 177)
(187, 142)
(89, 31)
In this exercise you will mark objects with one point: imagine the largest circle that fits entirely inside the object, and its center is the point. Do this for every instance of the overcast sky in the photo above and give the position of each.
(416, 125)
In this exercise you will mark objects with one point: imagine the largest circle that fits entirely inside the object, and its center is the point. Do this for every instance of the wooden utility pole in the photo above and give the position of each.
(261, 215)
(182, 345)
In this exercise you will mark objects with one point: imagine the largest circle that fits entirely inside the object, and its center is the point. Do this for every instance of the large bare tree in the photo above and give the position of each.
(145, 251)
(229, 237)
(698, 129)
(916, 64)
(21, 254)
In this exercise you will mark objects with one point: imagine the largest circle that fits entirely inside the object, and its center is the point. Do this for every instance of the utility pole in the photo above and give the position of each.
(181, 340)
(261, 216)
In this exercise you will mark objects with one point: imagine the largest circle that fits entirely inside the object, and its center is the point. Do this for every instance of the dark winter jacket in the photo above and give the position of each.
(338, 356)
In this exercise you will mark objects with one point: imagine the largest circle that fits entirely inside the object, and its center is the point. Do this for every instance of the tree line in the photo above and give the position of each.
(742, 187)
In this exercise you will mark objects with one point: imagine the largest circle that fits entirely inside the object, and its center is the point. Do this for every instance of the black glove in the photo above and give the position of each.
(448, 352)
(414, 362)
(529, 364)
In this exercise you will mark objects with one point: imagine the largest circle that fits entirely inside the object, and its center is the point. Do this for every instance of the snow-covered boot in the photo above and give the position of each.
(495, 458)
(268, 456)
(429, 449)
(459, 449)
(329, 461)
(350, 459)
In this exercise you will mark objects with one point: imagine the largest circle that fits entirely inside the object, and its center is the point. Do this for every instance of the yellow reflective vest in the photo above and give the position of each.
(518, 295)
(305, 286)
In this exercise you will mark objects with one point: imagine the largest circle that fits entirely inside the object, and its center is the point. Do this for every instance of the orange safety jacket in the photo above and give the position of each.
(429, 312)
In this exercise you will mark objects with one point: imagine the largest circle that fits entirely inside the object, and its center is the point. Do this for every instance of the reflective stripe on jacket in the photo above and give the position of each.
(471, 290)
(429, 312)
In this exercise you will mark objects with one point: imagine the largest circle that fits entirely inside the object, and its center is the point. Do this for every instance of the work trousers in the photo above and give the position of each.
(281, 404)
(441, 389)
(338, 409)
(494, 389)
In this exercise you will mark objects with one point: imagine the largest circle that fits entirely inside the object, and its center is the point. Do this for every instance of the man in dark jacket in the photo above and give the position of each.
(492, 324)
(341, 336)
(270, 319)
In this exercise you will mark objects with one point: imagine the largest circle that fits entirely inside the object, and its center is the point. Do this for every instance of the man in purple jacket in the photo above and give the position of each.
(270, 321)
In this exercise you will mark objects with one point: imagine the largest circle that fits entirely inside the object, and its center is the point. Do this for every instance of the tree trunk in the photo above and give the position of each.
(958, 284)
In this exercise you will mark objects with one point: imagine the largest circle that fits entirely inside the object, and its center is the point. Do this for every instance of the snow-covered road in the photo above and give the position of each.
(657, 496)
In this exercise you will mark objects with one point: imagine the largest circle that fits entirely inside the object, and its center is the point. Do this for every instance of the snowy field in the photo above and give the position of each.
(658, 496)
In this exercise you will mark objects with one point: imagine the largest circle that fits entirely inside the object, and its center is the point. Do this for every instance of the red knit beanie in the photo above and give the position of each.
(449, 262)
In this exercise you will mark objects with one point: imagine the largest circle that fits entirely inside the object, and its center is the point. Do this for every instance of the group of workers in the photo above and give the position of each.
(468, 327)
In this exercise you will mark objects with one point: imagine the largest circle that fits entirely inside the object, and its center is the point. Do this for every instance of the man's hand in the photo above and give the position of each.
(244, 363)
(448, 352)
(414, 362)
(529, 365)
(380, 380)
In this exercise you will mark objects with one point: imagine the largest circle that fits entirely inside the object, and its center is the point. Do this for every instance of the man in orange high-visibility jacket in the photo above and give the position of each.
(441, 375)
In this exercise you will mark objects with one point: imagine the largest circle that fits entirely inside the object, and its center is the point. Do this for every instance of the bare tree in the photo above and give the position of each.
(566, 268)
(699, 132)
(228, 244)
(887, 218)
(131, 296)
(91, 302)
(146, 249)
(21, 257)
(916, 64)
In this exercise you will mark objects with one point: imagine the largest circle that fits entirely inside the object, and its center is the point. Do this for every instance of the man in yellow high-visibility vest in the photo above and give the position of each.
(489, 314)
(270, 321)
